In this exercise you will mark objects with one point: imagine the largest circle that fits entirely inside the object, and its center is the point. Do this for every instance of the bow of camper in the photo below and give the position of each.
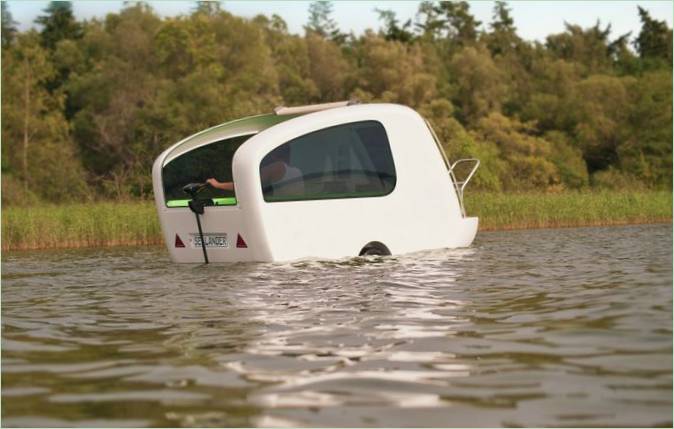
(326, 181)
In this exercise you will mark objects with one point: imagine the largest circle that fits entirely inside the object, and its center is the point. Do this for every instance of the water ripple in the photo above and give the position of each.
(528, 328)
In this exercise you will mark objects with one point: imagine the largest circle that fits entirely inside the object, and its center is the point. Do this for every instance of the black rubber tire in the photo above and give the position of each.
(374, 248)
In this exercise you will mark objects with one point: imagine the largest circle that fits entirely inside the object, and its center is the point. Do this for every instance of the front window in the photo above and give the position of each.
(198, 165)
(345, 161)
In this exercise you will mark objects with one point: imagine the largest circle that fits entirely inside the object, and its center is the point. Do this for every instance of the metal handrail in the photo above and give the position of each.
(309, 108)
(461, 185)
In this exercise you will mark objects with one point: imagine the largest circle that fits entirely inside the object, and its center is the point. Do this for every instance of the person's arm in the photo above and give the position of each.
(225, 186)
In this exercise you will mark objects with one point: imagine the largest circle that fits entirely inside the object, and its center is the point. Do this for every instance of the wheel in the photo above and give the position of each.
(375, 248)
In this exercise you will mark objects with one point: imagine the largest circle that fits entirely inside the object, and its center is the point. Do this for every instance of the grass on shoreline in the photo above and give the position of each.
(136, 223)
(80, 225)
(498, 211)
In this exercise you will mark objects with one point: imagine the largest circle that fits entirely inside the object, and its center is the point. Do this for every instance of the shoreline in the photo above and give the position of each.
(110, 224)
(160, 242)
(610, 224)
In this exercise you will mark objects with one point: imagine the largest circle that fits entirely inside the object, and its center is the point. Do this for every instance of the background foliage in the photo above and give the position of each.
(88, 105)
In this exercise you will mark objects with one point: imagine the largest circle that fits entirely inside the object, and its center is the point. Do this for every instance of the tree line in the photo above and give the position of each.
(88, 105)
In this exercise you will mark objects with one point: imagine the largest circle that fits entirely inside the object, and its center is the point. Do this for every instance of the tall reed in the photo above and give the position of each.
(136, 223)
(80, 225)
(568, 209)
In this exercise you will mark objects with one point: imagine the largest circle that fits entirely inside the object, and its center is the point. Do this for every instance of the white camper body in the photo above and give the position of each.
(356, 175)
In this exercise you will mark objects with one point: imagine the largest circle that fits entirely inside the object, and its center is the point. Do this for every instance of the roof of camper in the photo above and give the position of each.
(245, 126)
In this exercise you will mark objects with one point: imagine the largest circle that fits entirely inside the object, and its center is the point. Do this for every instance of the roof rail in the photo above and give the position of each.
(283, 110)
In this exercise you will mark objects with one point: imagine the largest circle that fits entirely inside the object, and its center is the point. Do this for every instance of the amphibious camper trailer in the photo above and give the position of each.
(326, 181)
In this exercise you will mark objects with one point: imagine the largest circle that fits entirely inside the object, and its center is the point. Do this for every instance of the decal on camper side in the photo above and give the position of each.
(218, 240)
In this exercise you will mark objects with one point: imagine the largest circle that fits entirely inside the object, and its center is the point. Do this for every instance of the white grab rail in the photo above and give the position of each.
(296, 110)
(460, 185)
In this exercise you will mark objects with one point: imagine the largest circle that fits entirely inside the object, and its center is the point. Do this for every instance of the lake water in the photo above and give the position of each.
(566, 327)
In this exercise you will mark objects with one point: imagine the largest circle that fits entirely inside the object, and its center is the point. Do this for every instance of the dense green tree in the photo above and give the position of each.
(115, 94)
(393, 72)
(551, 97)
(327, 68)
(503, 37)
(161, 80)
(568, 159)
(58, 35)
(37, 150)
(58, 24)
(502, 22)
(587, 47)
(392, 31)
(646, 151)
(528, 157)
(655, 39)
(322, 23)
(479, 84)
(624, 59)
(461, 27)
(602, 104)
(511, 56)
(97, 101)
(291, 60)
(428, 23)
(8, 26)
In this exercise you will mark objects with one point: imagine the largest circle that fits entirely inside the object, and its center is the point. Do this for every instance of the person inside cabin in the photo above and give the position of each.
(278, 177)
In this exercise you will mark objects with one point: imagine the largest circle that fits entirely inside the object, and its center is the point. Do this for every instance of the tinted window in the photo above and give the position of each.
(346, 161)
(212, 160)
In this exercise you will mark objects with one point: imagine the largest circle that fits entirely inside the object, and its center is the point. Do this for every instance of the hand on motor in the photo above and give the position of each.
(213, 182)
(225, 186)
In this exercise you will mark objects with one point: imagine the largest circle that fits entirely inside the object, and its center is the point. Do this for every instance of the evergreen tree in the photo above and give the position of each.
(322, 23)
(655, 39)
(8, 26)
(624, 59)
(428, 21)
(58, 24)
(392, 31)
(502, 21)
(208, 7)
(460, 25)
(503, 37)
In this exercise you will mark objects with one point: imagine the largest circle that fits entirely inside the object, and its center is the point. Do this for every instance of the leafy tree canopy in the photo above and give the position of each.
(87, 106)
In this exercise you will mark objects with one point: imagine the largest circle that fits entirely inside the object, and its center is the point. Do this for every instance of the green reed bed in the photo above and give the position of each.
(568, 209)
(80, 225)
(110, 224)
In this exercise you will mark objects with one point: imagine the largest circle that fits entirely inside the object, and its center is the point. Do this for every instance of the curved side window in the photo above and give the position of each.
(345, 161)
(195, 166)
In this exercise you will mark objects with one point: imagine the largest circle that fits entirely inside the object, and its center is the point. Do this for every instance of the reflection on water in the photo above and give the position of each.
(532, 328)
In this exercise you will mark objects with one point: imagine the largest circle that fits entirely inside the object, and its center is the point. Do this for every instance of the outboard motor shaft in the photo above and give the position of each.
(197, 206)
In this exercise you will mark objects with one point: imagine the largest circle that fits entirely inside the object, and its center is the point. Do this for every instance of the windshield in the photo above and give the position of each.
(351, 160)
(198, 165)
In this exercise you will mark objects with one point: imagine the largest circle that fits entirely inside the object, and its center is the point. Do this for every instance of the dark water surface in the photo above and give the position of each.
(568, 327)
